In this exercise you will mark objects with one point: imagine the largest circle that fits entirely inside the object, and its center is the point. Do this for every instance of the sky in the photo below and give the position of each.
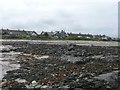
(77, 16)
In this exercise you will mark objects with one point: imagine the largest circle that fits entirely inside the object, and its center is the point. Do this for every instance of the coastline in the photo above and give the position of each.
(81, 43)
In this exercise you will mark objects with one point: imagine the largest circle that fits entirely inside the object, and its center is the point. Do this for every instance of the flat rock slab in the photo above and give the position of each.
(110, 77)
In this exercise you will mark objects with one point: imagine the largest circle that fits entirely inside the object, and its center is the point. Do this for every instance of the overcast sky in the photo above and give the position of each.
(84, 16)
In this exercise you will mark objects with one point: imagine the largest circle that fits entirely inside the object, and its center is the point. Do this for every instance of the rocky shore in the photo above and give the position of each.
(65, 67)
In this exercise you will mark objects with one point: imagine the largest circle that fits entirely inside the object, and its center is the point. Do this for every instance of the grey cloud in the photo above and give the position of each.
(70, 15)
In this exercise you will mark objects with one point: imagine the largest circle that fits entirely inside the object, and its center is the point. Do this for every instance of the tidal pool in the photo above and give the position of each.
(8, 62)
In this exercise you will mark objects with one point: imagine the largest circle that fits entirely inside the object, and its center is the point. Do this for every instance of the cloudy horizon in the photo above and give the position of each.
(77, 16)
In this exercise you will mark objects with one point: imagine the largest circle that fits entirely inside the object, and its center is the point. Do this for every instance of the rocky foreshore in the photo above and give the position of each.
(64, 67)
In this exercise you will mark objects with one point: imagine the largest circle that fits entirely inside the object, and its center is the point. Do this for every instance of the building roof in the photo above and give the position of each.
(18, 31)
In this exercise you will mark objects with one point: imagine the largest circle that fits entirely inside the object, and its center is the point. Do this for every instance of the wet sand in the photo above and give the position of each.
(81, 43)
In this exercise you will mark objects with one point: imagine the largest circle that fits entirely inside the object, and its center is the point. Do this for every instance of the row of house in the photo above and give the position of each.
(17, 32)
(62, 34)
(58, 34)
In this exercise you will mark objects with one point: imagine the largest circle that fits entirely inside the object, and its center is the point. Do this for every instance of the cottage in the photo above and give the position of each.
(31, 33)
(102, 37)
(86, 35)
(17, 32)
(47, 33)
(61, 34)
(58, 34)
(81, 35)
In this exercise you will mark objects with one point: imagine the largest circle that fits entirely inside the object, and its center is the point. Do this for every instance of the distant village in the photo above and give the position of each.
(23, 34)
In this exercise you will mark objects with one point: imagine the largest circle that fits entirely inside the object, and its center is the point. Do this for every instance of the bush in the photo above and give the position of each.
(45, 37)
(25, 36)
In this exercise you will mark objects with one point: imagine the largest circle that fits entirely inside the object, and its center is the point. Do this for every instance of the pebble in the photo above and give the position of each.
(34, 83)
